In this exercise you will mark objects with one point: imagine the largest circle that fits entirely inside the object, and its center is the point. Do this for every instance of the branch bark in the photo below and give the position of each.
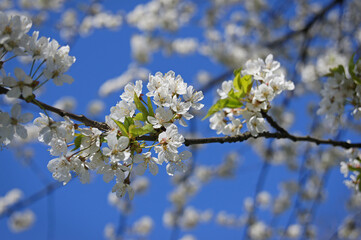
(247, 135)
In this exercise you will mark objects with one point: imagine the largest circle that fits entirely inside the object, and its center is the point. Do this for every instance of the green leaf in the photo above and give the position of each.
(243, 84)
(135, 132)
(339, 69)
(150, 107)
(351, 65)
(246, 82)
(215, 108)
(139, 117)
(77, 142)
(122, 128)
(351, 69)
(223, 103)
(236, 95)
(233, 103)
(140, 106)
(237, 71)
(127, 122)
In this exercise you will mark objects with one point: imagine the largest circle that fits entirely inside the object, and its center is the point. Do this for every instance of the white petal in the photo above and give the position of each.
(4, 119)
(26, 117)
(107, 177)
(185, 155)
(67, 79)
(28, 79)
(10, 82)
(140, 168)
(112, 140)
(170, 169)
(19, 74)
(15, 111)
(14, 92)
(123, 143)
(21, 131)
(27, 91)
(138, 158)
(153, 168)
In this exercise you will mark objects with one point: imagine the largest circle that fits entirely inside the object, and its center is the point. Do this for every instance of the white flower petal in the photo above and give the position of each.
(21, 131)
(15, 111)
(26, 117)
(14, 92)
(153, 168)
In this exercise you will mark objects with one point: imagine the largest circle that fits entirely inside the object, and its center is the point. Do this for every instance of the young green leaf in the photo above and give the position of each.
(215, 108)
(122, 128)
(127, 122)
(233, 103)
(139, 117)
(242, 84)
(351, 69)
(223, 103)
(135, 132)
(236, 95)
(77, 142)
(150, 107)
(246, 82)
(237, 71)
(140, 106)
(237, 82)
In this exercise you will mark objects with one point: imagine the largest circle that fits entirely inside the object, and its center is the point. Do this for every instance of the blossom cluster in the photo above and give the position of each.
(161, 14)
(352, 169)
(15, 40)
(241, 98)
(342, 88)
(128, 120)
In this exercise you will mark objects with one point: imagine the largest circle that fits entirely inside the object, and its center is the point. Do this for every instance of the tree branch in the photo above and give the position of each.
(273, 123)
(247, 135)
(81, 118)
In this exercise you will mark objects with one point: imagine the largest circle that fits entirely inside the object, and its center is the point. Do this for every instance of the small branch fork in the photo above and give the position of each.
(280, 134)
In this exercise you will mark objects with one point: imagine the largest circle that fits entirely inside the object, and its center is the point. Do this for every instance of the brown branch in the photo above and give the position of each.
(81, 118)
(247, 135)
(273, 123)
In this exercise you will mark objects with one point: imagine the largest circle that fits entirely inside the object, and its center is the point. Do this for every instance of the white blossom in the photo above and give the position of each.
(21, 221)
